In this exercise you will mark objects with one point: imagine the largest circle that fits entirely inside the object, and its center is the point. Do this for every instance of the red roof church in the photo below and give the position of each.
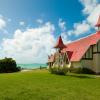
(84, 52)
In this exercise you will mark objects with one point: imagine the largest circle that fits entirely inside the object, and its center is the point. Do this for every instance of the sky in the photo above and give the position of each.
(29, 28)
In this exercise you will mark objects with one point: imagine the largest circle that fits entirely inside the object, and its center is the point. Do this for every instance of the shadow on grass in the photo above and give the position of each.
(81, 76)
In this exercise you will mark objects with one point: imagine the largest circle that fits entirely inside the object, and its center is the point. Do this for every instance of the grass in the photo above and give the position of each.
(41, 85)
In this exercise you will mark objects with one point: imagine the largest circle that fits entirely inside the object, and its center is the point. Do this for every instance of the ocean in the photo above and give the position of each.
(31, 66)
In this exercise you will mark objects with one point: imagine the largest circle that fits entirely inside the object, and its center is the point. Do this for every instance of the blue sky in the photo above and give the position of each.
(72, 19)
(48, 10)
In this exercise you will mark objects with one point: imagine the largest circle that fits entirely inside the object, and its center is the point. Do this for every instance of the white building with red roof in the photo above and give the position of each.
(82, 53)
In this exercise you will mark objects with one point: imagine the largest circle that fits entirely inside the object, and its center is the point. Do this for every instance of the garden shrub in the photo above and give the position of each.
(75, 70)
(81, 70)
(59, 70)
(87, 71)
(8, 65)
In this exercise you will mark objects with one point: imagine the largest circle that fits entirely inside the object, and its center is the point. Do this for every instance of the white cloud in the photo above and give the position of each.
(89, 5)
(40, 21)
(80, 28)
(2, 23)
(93, 16)
(30, 46)
(65, 39)
(22, 23)
(92, 12)
(62, 24)
(64, 34)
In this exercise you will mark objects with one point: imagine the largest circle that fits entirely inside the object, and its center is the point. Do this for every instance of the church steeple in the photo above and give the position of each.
(98, 24)
(60, 45)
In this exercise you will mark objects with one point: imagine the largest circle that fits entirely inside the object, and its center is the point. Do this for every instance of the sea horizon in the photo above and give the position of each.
(32, 66)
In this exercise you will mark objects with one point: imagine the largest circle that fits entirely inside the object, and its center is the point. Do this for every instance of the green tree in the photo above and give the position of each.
(8, 65)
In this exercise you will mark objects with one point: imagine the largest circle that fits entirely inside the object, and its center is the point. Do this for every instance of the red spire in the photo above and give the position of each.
(60, 43)
(98, 22)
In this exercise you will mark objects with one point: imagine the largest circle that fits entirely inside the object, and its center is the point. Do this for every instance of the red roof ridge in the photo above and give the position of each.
(81, 38)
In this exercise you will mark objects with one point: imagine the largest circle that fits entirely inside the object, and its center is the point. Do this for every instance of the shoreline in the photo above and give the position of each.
(30, 69)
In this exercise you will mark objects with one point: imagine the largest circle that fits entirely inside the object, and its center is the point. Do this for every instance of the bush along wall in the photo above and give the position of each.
(58, 70)
(8, 65)
(81, 71)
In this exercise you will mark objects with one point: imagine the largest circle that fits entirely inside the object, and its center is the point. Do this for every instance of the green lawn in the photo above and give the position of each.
(41, 85)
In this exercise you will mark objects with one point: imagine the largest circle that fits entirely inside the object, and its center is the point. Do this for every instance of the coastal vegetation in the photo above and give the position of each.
(42, 85)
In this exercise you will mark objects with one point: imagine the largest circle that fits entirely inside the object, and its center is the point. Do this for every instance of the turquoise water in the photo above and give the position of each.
(31, 66)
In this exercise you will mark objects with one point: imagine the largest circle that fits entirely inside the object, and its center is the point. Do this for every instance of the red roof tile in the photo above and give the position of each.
(79, 47)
